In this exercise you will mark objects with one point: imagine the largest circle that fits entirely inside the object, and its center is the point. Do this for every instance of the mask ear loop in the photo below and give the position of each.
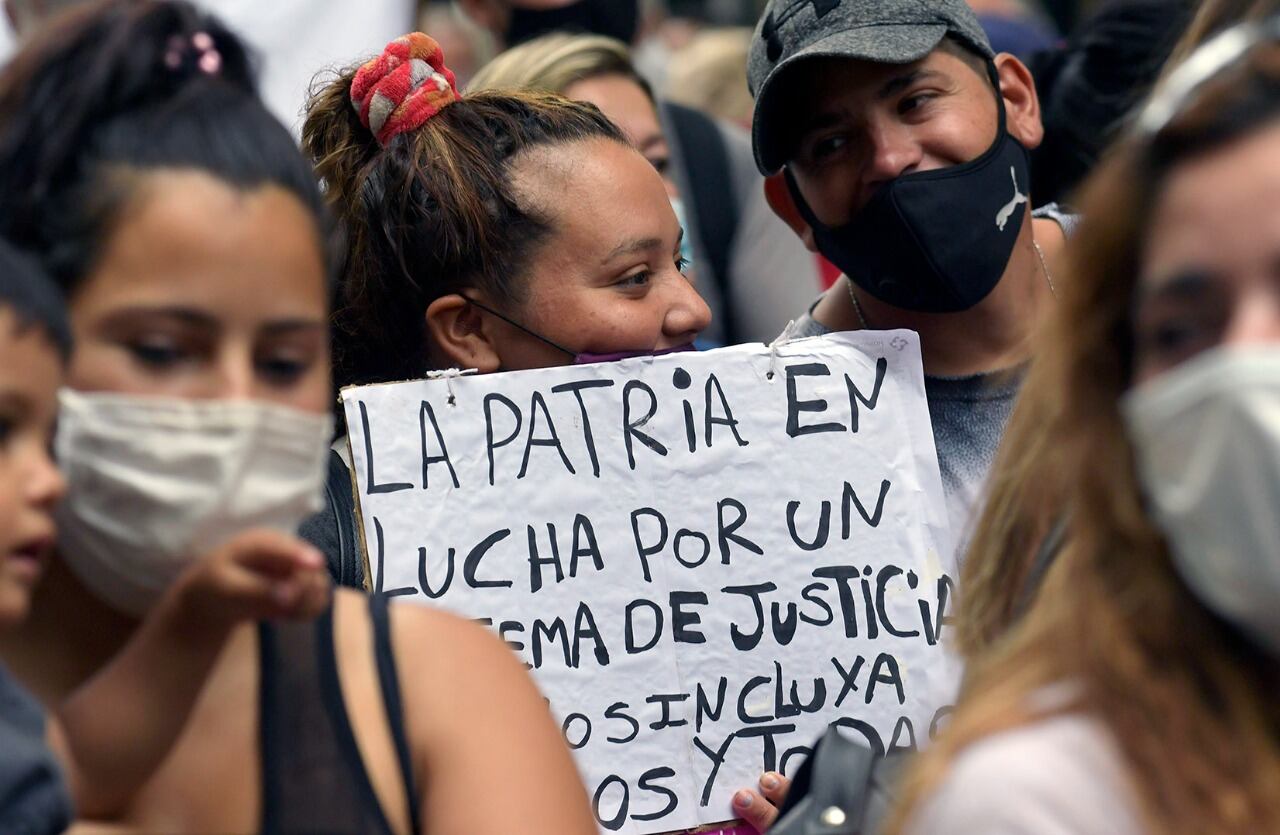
(994, 75)
(513, 323)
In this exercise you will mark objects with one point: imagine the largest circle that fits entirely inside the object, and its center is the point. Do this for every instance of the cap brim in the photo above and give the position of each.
(881, 44)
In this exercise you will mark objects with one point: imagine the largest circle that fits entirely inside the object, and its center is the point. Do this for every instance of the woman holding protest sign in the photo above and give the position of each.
(1138, 693)
(493, 231)
(187, 233)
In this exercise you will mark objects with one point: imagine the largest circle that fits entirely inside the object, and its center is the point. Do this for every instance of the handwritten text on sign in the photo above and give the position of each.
(704, 558)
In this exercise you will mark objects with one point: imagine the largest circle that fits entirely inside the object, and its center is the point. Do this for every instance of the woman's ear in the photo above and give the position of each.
(1021, 103)
(456, 333)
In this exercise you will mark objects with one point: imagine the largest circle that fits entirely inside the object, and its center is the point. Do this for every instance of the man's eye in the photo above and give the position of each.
(913, 102)
(827, 146)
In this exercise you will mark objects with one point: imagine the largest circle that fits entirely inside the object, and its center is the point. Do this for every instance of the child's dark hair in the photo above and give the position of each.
(120, 88)
(32, 298)
(432, 212)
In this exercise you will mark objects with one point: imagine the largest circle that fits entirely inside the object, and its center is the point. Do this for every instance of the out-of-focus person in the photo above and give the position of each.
(293, 39)
(710, 74)
(188, 235)
(468, 45)
(513, 22)
(1138, 692)
(752, 271)
(1090, 84)
(1018, 27)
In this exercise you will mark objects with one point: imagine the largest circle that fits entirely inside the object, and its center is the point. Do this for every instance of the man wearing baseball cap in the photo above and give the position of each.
(895, 143)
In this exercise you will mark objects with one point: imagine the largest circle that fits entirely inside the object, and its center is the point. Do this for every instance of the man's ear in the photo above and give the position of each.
(778, 195)
(1021, 103)
(456, 333)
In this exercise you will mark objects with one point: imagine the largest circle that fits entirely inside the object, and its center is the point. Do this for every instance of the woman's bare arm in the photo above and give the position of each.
(491, 757)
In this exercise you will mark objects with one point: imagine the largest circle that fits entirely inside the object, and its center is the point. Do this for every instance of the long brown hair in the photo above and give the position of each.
(1190, 703)
(1024, 506)
(432, 212)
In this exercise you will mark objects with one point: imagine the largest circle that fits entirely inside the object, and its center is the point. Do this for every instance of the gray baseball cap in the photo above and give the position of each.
(883, 31)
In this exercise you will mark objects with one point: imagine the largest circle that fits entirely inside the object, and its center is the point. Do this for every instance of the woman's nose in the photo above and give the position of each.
(1255, 319)
(687, 316)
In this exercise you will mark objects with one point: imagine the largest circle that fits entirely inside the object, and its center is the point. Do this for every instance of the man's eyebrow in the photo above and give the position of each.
(892, 87)
(898, 83)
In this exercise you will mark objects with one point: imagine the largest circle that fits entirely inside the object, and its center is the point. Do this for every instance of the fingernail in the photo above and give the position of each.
(769, 780)
(742, 799)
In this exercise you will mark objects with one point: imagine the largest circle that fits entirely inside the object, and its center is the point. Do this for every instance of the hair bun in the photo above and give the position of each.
(403, 87)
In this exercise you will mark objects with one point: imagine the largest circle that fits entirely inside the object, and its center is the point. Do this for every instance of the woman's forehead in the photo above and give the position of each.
(189, 237)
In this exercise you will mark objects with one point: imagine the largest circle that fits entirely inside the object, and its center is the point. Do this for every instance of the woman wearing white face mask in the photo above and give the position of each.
(186, 230)
(1138, 694)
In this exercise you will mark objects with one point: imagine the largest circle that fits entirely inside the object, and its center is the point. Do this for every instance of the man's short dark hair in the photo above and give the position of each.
(33, 298)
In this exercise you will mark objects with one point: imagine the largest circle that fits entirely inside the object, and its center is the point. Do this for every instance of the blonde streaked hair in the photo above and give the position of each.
(556, 62)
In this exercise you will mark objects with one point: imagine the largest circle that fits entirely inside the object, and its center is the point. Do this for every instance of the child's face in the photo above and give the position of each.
(30, 484)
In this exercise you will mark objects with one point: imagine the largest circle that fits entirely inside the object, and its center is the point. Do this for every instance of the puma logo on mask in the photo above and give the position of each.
(1002, 216)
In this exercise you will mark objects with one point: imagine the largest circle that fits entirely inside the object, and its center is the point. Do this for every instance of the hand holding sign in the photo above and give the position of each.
(703, 558)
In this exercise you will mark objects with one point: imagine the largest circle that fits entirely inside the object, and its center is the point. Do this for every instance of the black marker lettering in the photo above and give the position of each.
(682, 622)
(374, 487)
(727, 419)
(631, 428)
(490, 444)
(727, 531)
(855, 396)
(795, 406)
(425, 414)
(538, 404)
(576, 388)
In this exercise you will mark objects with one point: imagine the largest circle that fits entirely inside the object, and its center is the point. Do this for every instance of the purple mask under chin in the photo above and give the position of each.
(584, 358)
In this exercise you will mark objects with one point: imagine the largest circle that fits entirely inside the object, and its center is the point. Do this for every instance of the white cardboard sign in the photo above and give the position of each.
(703, 558)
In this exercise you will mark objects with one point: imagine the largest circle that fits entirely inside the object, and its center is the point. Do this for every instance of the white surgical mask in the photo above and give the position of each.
(155, 483)
(1207, 436)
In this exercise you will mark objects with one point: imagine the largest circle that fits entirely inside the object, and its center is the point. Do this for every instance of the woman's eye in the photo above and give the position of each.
(639, 279)
(6, 429)
(1176, 338)
(156, 354)
(283, 369)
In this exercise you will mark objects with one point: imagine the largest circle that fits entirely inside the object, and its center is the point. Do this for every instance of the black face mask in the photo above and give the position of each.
(936, 241)
(614, 18)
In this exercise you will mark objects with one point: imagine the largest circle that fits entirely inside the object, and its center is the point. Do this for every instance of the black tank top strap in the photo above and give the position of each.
(313, 777)
(390, 683)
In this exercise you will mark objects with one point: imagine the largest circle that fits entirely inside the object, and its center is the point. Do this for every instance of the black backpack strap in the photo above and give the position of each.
(843, 788)
(339, 496)
(712, 200)
(1045, 556)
